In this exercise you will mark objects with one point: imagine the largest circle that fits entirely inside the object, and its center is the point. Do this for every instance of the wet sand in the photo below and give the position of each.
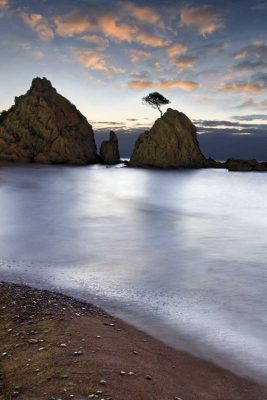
(55, 347)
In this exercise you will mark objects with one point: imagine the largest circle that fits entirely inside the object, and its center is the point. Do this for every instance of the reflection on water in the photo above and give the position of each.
(181, 254)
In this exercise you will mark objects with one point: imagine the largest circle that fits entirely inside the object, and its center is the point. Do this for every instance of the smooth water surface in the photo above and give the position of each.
(181, 254)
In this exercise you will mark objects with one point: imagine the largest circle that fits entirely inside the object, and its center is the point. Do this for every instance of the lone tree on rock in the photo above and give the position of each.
(155, 100)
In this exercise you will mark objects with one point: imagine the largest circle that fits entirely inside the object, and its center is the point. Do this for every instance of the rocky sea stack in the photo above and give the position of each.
(109, 150)
(170, 143)
(44, 127)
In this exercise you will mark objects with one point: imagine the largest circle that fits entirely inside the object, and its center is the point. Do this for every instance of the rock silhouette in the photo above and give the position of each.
(245, 165)
(170, 143)
(109, 150)
(44, 127)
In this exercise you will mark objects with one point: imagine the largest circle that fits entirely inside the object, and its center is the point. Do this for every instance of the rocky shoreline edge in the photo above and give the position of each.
(55, 347)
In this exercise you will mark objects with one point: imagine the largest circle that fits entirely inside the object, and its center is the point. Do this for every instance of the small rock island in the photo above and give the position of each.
(109, 150)
(170, 143)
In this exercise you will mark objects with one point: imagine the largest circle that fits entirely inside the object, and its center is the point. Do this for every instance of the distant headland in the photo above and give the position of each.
(44, 127)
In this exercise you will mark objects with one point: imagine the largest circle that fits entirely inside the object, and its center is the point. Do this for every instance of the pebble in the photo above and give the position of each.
(98, 337)
(77, 353)
(148, 377)
(103, 382)
(130, 373)
(122, 373)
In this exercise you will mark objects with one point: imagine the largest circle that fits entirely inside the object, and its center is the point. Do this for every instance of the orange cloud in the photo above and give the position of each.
(240, 87)
(118, 31)
(176, 49)
(163, 84)
(95, 61)
(143, 14)
(109, 25)
(139, 55)
(3, 3)
(184, 61)
(151, 40)
(203, 18)
(39, 24)
(72, 24)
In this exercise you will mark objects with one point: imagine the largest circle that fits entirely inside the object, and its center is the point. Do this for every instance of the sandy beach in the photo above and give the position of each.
(55, 347)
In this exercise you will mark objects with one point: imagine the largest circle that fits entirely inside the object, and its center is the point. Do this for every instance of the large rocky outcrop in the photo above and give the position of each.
(109, 150)
(44, 127)
(170, 143)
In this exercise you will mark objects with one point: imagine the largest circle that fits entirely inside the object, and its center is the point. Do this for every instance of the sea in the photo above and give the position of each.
(180, 254)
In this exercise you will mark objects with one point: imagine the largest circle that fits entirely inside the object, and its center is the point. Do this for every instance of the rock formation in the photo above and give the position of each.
(109, 150)
(245, 165)
(44, 127)
(170, 143)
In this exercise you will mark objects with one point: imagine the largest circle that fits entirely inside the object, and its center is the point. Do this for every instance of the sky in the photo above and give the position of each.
(209, 58)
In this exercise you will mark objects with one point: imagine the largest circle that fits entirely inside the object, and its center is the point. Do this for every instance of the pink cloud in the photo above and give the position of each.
(203, 18)
(240, 87)
(39, 24)
(96, 61)
(163, 84)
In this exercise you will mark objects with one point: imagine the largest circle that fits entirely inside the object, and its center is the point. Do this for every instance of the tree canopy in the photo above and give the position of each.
(156, 100)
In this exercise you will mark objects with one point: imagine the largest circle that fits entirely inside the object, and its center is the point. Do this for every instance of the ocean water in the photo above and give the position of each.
(180, 254)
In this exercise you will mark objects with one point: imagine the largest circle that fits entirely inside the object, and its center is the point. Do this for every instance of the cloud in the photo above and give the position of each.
(240, 87)
(214, 48)
(184, 61)
(255, 50)
(97, 40)
(251, 104)
(203, 18)
(251, 65)
(142, 14)
(246, 104)
(163, 84)
(39, 24)
(148, 39)
(72, 24)
(3, 7)
(3, 3)
(176, 49)
(95, 61)
(251, 117)
(110, 25)
(139, 55)
(28, 48)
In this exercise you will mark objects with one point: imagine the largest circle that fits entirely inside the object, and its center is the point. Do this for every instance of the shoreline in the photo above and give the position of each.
(55, 347)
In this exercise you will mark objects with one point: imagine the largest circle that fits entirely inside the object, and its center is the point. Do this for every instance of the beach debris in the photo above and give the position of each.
(77, 353)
